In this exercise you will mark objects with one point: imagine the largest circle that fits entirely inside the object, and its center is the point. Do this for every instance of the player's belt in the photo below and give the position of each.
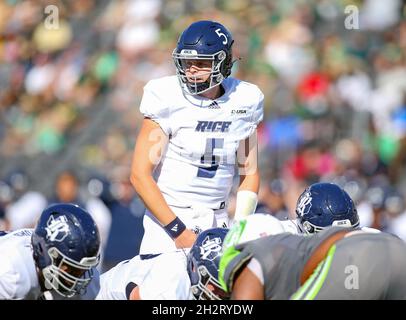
(320, 253)
(221, 207)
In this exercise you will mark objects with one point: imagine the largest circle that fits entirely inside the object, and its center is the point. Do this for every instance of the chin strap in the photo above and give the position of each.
(235, 60)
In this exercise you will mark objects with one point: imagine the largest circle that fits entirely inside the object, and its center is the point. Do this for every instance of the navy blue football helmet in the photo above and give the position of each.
(204, 40)
(66, 245)
(324, 205)
(203, 265)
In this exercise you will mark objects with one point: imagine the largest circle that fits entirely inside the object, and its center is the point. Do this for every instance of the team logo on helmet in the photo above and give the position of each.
(210, 248)
(57, 229)
(305, 203)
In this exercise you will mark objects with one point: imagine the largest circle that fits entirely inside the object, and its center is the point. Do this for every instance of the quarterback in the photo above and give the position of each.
(198, 132)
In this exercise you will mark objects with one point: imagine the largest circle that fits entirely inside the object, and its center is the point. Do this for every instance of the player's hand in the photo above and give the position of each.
(186, 239)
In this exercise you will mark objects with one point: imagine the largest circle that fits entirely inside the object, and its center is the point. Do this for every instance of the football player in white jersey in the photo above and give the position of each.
(173, 275)
(56, 260)
(322, 205)
(147, 277)
(199, 129)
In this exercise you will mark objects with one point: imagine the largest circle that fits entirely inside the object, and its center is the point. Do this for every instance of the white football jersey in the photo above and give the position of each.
(198, 166)
(291, 226)
(18, 275)
(163, 277)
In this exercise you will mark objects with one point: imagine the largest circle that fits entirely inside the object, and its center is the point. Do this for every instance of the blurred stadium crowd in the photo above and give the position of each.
(335, 103)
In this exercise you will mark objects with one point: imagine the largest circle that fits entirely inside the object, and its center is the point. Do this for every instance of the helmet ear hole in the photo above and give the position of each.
(308, 227)
(203, 272)
(222, 55)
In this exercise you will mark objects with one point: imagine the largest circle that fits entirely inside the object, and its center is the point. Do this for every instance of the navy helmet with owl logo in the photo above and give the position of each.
(66, 245)
(204, 40)
(323, 205)
(203, 265)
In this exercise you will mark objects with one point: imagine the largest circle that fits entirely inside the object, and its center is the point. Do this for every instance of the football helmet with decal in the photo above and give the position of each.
(203, 265)
(66, 245)
(323, 205)
(206, 43)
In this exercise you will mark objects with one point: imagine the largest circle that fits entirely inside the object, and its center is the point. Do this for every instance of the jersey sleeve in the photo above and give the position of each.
(8, 281)
(257, 113)
(290, 226)
(167, 280)
(153, 107)
(258, 110)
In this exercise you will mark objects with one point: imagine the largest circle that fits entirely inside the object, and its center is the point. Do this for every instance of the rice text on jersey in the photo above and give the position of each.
(213, 126)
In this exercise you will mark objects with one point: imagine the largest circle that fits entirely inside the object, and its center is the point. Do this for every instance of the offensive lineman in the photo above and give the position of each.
(322, 205)
(170, 275)
(56, 260)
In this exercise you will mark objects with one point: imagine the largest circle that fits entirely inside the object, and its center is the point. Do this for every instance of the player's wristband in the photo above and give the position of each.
(175, 228)
(246, 203)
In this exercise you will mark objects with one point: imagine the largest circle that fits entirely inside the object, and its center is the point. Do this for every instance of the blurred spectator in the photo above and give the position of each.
(67, 189)
(310, 164)
(6, 197)
(271, 199)
(27, 204)
(127, 220)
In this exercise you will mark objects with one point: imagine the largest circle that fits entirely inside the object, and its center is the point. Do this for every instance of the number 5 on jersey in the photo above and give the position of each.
(209, 157)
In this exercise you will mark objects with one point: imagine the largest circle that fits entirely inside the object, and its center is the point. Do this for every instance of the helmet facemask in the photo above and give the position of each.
(215, 75)
(67, 276)
(202, 291)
